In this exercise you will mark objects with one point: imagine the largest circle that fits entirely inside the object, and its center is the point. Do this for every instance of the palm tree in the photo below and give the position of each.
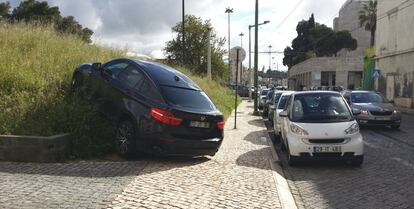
(368, 18)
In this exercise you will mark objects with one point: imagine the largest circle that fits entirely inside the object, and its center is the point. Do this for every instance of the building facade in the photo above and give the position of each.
(394, 46)
(344, 70)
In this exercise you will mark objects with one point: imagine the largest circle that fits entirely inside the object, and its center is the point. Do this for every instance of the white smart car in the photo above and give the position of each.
(320, 125)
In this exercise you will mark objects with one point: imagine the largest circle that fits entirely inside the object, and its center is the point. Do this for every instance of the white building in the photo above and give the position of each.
(344, 70)
(395, 50)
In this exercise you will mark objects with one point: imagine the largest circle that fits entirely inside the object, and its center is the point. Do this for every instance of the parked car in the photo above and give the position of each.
(375, 109)
(155, 108)
(273, 103)
(280, 105)
(262, 98)
(320, 125)
(267, 103)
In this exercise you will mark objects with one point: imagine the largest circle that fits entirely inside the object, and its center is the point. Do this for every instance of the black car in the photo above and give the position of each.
(155, 108)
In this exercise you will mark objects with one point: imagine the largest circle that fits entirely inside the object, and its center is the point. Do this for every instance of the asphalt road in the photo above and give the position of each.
(385, 180)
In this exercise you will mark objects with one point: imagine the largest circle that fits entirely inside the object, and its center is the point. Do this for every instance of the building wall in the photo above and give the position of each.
(348, 19)
(395, 50)
(309, 73)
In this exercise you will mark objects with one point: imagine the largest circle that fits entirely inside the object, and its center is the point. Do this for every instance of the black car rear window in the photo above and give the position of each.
(187, 98)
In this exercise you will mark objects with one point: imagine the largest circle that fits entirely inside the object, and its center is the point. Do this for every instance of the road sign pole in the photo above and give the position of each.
(235, 96)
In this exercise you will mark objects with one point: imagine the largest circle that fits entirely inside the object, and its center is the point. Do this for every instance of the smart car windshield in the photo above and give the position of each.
(367, 97)
(320, 108)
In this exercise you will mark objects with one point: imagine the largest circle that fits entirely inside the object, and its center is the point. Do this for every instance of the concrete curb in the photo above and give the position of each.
(34, 148)
(285, 195)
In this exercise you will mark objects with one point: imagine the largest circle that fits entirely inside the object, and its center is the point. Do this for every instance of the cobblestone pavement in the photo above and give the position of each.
(65, 185)
(385, 180)
(239, 176)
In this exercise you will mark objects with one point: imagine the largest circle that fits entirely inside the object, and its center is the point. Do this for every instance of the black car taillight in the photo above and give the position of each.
(165, 117)
(220, 125)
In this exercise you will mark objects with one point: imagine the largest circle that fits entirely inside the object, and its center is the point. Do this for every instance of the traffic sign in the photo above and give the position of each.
(233, 53)
(376, 73)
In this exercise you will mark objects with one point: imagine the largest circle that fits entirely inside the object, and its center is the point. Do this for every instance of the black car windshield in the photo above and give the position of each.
(367, 97)
(277, 97)
(187, 98)
(320, 108)
(282, 102)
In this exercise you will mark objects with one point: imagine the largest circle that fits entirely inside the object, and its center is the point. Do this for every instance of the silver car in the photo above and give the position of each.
(280, 105)
(375, 109)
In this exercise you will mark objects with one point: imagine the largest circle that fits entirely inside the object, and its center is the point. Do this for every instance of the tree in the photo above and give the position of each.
(368, 18)
(32, 10)
(314, 39)
(4, 9)
(196, 45)
(41, 12)
(69, 25)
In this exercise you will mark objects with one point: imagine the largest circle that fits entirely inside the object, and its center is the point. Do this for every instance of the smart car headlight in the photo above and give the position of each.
(354, 128)
(298, 130)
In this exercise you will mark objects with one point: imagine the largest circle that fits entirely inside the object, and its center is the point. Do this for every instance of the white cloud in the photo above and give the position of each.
(144, 26)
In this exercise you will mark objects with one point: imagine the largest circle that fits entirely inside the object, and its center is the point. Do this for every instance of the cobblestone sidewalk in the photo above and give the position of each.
(239, 176)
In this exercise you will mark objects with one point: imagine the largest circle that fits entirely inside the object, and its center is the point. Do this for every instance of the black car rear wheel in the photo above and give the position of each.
(125, 139)
(77, 85)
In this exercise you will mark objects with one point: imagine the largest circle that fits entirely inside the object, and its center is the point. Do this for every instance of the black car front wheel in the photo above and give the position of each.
(125, 139)
(77, 85)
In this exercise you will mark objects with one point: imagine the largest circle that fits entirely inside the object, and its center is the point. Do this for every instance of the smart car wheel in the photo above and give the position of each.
(357, 161)
(292, 160)
(395, 126)
(125, 139)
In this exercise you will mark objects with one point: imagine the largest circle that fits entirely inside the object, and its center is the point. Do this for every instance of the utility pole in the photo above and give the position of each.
(229, 11)
(209, 55)
(270, 57)
(241, 63)
(256, 57)
(250, 59)
(183, 38)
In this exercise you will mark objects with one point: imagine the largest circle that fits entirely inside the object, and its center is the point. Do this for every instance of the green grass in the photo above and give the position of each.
(35, 73)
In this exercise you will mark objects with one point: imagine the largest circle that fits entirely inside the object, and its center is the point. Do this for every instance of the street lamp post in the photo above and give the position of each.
(183, 38)
(229, 11)
(256, 50)
(270, 57)
(241, 63)
(250, 58)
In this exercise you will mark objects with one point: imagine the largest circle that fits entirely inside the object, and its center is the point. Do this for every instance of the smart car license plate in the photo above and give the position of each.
(199, 124)
(327, 149)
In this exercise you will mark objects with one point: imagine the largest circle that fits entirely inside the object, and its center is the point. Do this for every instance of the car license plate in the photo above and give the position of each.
(382, 118)
(327, 149)
(198, 124)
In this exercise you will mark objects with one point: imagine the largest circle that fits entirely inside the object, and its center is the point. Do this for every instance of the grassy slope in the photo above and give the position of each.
(36, 66)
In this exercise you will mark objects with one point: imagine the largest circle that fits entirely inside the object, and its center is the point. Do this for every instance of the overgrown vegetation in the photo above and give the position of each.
(42, 13)
(316, 40)
(35, 73)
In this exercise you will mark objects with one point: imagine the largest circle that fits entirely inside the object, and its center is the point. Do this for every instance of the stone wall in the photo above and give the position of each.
(34, 148)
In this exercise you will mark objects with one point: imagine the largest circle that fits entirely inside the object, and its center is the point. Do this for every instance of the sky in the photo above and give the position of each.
(144, 26)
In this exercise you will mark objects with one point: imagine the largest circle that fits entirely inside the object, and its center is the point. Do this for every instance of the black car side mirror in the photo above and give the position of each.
(283, 114)
(97, 66)
(356, 111)
(391, 101)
